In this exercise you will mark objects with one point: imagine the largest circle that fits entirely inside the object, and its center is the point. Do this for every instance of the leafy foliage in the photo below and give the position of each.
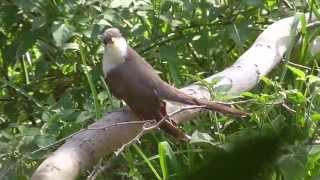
(51, 86)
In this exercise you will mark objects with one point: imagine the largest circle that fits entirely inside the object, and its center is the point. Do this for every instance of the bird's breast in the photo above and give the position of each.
(111, 59)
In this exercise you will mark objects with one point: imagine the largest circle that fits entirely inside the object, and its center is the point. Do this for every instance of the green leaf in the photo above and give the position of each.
(103, 96)
(29, 131)
(271, 3)
(38, 22)
(267, 81)
(43, 140)
(104, 23)
(152, 168)
(315, 117)
(70, 46)
(62, 33)
(4, 147)
(198, 137)
(315, 149)
(120, 3)
(84, 116)
(26, 41)
(295, 96)
(54, 124)
(169, 54)
(300, 74)
(180, 2)
(250, 94)
(68, 115)
(238, 33)
(312, 79)
(292, 166)
(8, 15)
(171, 155)
(254, 3)
(25, 5)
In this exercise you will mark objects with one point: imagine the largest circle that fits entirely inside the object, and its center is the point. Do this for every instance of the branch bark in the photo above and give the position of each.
(84, 149)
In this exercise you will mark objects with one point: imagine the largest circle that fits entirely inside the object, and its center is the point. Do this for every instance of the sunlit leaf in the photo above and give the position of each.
(267, 81)
(171, 155)
(299, 73)
(198, 137)
(103, 96)
(120, 3)
(71, 46)
(62, 33)
(315, 117)
(296, 96)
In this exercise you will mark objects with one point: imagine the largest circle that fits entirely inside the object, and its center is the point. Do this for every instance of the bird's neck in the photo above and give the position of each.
(114, 55)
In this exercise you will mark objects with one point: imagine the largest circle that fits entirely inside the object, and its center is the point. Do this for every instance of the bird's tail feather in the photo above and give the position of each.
(173, 94)
(174, 131)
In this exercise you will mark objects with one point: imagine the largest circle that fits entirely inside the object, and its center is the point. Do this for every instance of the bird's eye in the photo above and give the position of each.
(108, 40)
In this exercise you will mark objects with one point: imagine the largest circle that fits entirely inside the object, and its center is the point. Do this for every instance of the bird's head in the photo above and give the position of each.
(114, 41)
(115, 49)
(111, 35)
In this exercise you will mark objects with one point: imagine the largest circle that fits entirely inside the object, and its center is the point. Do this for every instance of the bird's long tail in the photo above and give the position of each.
(173, 94)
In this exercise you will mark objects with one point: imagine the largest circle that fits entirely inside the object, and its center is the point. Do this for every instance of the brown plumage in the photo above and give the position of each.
(139, 85)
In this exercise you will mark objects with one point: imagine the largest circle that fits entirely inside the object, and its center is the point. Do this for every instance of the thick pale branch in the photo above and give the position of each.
(84, 149)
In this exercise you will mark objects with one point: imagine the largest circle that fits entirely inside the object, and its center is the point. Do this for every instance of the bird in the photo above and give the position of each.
(132, 79)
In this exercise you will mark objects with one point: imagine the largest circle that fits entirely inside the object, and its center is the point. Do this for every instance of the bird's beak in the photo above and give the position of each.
(113, 40)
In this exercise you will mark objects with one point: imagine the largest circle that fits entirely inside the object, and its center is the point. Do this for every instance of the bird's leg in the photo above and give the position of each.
(163, 111)
(170, 127)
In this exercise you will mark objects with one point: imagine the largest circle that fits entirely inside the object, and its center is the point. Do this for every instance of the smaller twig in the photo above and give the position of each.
(288, 108)
(100, 128)
(136, 138)
(121, 123)
(57, 142)
(302, 66)
(313, 24)
(93, 173)
(234, 102)
(286, 3)
(6, 99)
(150, 126)
(194, 53)
(298, 65)
(99, 168)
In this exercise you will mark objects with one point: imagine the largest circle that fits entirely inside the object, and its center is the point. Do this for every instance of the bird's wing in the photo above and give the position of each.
(146, 72)
(163, 90)
(151, 79)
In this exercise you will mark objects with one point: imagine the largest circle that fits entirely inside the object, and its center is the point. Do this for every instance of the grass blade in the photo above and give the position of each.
(163, 158)
(147, 161)
(92, 87)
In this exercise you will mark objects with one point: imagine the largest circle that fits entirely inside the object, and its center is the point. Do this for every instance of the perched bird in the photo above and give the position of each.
(130, 78)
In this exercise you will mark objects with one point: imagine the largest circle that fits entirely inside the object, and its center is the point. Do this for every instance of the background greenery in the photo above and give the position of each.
(51, 86)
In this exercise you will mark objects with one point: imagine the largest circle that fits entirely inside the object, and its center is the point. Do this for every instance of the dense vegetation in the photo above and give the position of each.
(51, 86)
